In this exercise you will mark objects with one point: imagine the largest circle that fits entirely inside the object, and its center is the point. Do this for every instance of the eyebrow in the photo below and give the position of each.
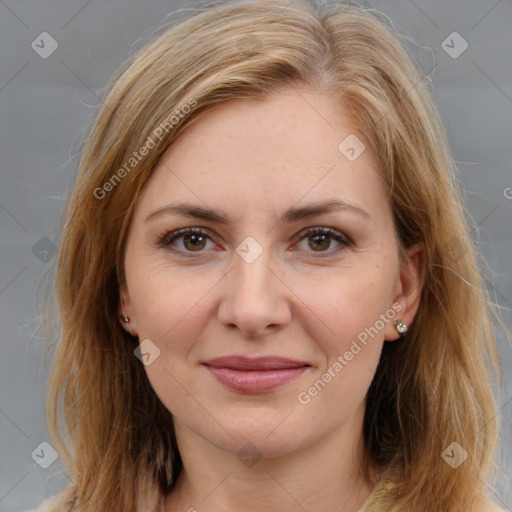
(290, 215)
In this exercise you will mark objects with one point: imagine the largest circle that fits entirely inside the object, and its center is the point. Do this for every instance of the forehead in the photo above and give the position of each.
(292, 145)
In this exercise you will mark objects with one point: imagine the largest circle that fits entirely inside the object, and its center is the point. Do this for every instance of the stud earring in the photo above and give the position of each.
(400, 327)
(126, 320)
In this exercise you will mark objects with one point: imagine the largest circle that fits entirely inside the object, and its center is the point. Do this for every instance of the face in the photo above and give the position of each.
(252, 263)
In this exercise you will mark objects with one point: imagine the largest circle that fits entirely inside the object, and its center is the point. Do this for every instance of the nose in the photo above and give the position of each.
(255, 299)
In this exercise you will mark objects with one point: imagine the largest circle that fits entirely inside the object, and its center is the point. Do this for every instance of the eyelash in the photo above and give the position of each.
(169, 237)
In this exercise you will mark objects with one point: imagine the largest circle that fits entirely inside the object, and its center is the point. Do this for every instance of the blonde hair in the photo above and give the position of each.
(430, 390)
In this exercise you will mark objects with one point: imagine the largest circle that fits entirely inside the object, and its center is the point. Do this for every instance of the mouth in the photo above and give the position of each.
(255, 375)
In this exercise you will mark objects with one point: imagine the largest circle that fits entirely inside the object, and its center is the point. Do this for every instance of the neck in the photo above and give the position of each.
(321, 477)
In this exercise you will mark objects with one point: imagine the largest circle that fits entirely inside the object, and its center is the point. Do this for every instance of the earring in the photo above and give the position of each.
(126, 320)
(400, 326)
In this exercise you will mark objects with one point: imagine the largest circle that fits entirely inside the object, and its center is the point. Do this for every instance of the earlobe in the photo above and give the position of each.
(124, 311)
(412, 276)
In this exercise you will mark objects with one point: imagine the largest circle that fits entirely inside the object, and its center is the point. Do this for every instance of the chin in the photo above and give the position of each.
(266, 434)
(258, 445)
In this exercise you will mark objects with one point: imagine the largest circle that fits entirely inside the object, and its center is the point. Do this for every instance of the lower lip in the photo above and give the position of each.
(255, 381)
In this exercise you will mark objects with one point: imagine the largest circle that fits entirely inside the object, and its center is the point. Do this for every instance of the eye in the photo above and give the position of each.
(320, 239)
(192, 240)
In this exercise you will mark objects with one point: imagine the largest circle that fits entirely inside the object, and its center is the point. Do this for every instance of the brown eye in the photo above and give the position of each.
(194, 242)
(185, 241)
(320, 240)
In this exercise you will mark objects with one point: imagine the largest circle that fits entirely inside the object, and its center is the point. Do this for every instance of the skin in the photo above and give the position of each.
(253, 160)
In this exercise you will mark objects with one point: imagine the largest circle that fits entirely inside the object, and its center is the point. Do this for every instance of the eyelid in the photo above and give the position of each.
(334, 233)
(171, 235)
(165, 241)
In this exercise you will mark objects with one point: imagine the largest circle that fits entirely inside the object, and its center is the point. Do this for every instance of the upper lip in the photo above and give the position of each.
(258, 363)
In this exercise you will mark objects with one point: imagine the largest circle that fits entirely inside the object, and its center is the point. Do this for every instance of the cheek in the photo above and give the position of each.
(172, 312)
(351, 306)
(169, 305)
(349, 343)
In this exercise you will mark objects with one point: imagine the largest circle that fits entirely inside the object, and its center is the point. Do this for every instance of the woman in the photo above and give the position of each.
(260, 299)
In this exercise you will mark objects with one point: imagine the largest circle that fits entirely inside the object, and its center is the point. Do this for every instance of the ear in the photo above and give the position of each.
(409, 286)
(124, 307)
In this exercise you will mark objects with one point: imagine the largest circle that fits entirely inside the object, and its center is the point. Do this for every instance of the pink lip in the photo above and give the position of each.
(255, 375)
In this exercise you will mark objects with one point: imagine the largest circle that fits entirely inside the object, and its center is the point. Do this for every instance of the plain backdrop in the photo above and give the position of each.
(49, 92)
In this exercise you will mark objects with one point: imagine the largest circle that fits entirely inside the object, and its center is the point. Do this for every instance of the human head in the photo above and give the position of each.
(352, 58)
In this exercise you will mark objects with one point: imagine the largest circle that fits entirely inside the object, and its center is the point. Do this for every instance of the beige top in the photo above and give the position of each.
(154, 501)
(151, 501)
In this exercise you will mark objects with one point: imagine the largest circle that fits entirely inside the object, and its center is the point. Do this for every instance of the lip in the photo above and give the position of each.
(255, 375)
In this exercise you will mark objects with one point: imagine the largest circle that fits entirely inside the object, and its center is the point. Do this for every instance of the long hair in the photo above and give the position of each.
(430, 390)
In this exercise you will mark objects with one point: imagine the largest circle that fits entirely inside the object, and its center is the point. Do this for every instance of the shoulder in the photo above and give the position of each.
(46, 506)
(60, 502)
(489, 506)
(49, 505)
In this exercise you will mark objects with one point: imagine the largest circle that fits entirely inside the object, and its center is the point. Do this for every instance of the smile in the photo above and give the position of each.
(255, 375)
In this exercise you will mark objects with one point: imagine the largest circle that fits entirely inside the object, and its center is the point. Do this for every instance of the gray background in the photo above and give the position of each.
(45, 103)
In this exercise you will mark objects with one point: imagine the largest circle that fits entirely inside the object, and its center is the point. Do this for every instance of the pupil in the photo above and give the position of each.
(195, 240)
(320, 239)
